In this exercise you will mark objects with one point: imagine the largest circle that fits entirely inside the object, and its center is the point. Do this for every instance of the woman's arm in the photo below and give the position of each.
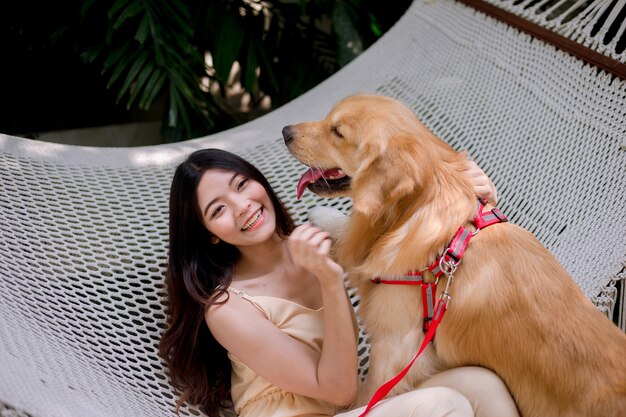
(331, 375)
(337, 369)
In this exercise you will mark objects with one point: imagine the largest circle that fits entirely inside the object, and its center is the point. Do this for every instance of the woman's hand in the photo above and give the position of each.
(483, 186)
(309, 248)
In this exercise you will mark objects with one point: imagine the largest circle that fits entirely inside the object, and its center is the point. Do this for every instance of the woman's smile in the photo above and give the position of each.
(255, 221)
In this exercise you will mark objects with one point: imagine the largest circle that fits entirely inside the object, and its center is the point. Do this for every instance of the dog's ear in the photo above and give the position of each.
(386, 174)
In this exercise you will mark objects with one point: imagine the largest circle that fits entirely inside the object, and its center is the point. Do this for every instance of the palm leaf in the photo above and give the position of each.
(152, 89)
(143, 30)
(129, 12)
(172, 115)
(349, 42)
(116, 6)
(124, 62)
(133, 73)
(114, 56)
(141, 80)
(230, 37)
(159, 54)
(249, 67)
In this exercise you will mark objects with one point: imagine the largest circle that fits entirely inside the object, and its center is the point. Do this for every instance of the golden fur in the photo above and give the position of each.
(514, 309)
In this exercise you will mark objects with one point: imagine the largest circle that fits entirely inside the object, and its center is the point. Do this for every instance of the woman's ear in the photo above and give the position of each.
(215, 240)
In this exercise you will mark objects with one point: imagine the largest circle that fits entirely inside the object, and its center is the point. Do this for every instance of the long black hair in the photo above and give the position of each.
(198, 273)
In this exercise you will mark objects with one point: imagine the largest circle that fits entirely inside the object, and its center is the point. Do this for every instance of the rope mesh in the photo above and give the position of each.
(83, 235)
(597, 24)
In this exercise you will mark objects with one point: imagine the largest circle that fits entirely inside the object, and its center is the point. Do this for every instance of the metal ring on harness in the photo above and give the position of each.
(448, 267)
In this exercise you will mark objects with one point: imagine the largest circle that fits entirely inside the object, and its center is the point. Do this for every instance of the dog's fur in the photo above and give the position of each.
(514, 309)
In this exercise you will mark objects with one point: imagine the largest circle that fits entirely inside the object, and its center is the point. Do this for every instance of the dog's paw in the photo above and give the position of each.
(328, 219)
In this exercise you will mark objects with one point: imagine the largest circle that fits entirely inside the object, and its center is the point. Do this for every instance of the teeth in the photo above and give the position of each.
(338, 174)
(252, 220)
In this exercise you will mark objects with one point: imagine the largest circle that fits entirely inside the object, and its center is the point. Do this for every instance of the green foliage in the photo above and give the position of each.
(153, 50)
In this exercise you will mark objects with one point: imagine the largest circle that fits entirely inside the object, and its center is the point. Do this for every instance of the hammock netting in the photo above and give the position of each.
(83, 236)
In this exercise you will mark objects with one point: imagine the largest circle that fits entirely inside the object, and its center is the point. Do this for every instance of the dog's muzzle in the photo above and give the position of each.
(287, 134)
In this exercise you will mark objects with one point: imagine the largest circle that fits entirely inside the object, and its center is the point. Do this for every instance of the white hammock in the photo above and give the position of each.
(83, 231)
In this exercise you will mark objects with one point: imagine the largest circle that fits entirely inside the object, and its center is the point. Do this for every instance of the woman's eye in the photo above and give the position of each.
(217, 211)
(242, 183)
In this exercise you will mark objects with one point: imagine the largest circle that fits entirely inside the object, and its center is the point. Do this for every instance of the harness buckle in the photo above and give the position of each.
(499, 215)
(426, 324)
(448, 267)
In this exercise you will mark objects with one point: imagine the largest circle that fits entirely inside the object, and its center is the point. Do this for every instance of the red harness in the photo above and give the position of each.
(446, 265)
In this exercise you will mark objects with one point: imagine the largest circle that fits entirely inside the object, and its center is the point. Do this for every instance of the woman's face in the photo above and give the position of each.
(235, 209)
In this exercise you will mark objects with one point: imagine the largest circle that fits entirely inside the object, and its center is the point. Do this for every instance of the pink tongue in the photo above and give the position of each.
(311, 175)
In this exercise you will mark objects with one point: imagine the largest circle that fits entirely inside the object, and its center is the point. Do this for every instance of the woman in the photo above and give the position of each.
(259, 313)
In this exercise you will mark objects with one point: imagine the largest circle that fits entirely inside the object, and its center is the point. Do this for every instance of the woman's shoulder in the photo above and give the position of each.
(231, 304)
(235, 321)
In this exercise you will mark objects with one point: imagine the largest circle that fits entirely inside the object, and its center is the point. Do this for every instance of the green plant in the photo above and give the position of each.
(161, 49)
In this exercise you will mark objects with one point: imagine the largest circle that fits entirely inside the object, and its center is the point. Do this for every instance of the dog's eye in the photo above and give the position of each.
(336, 131)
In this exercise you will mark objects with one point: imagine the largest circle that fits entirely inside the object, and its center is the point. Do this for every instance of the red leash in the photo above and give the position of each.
(384, 389)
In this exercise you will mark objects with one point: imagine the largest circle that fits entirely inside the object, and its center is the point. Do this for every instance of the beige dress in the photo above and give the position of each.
(252, 395)
(460, 392)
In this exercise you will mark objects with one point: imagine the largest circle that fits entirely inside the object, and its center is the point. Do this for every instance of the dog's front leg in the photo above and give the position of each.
(382, 367)
(392, 320)
(389, 356)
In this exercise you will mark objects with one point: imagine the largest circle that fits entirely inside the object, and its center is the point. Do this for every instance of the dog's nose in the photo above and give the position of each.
(287, 134)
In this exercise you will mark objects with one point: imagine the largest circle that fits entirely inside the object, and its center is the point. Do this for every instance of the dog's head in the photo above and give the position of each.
(370, 148)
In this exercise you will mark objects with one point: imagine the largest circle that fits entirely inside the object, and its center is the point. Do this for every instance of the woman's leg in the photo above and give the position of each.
(483, 388)
(423, 402)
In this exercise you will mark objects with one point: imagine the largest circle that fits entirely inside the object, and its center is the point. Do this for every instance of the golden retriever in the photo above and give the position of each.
(514, 309)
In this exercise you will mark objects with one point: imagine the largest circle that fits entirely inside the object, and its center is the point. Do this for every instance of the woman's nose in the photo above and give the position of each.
(241, 206)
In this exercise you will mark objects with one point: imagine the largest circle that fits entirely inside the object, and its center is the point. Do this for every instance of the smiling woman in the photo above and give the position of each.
(228, 228)
(213, 200)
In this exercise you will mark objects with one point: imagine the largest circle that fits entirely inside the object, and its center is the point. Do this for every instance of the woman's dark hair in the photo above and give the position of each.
(198, 273)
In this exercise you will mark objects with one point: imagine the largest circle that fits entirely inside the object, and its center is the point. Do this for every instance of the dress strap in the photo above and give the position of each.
(242, 294)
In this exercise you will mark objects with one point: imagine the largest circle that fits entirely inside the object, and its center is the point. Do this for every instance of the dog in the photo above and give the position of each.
(513, 308)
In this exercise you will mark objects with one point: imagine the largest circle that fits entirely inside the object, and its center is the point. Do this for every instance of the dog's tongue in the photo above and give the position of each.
(311, 175)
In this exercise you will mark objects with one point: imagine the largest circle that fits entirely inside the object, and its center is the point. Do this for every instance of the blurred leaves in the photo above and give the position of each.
(147, 51)
(157, 50)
